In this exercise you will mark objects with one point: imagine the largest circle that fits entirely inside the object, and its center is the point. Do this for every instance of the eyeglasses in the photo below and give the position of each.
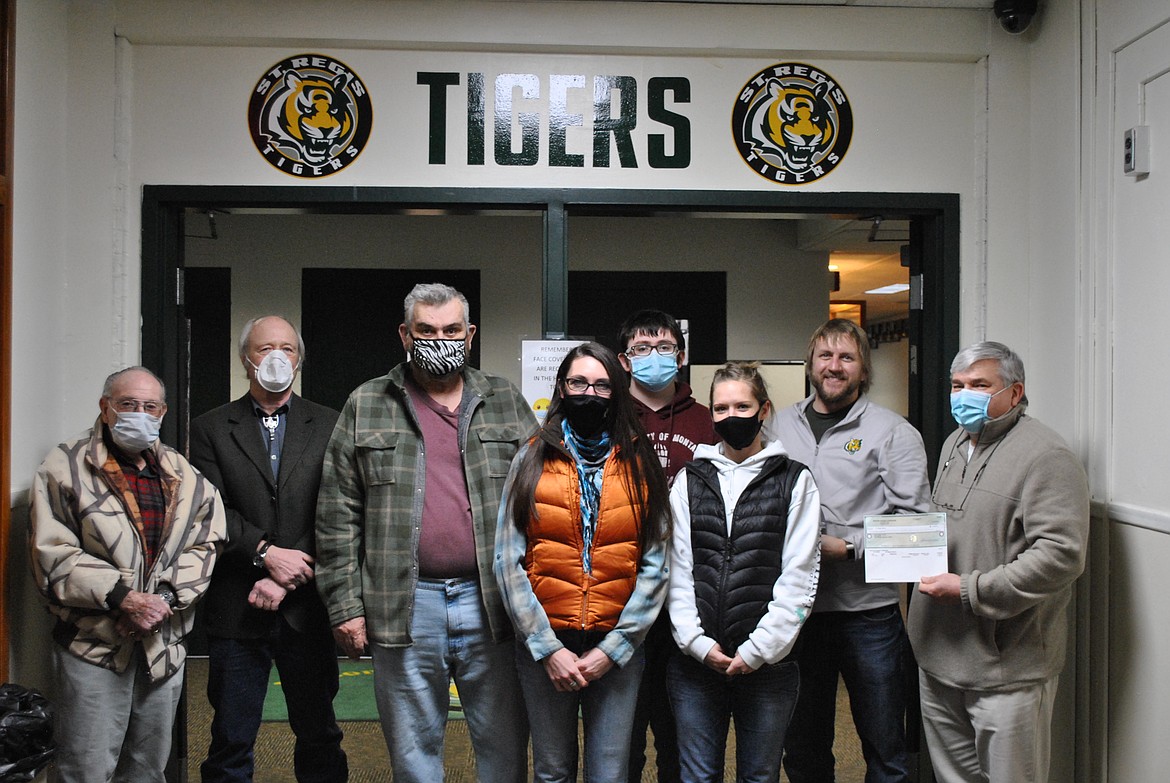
(130, 405)
(645, 349)
(580, 386)
(978, 475)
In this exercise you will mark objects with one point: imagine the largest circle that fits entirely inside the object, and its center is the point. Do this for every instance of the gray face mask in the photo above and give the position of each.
(135, 431)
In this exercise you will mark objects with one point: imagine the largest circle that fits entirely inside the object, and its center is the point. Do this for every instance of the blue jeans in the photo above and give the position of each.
(451, 641)
(870, 652)
(237, 680)
(654, 708)
(704, 703)
(606, 706)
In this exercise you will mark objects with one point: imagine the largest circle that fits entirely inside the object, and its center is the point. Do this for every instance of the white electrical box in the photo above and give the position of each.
(1136, 158)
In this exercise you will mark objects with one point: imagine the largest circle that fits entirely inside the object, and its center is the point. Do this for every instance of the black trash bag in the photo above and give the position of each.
(26, 733)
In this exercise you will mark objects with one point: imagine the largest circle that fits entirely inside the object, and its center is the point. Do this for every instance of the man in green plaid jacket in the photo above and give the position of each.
(406, 520)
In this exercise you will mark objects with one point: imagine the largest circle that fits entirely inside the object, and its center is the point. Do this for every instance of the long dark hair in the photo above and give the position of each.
(644, 477)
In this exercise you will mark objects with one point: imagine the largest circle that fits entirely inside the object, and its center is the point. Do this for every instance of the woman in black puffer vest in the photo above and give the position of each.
(744, 569)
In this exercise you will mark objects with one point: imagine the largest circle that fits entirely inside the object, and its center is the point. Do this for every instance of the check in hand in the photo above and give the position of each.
(944, 588)
(267, 594)
(289, 568)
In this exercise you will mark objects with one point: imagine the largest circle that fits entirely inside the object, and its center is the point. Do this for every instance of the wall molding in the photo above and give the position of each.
(1157, 520)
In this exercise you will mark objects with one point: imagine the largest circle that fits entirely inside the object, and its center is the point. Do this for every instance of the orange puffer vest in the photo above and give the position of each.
(571, 598)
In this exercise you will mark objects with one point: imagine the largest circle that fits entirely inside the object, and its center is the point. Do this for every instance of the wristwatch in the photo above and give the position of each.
(261, 553)
(850, 551)
(167, 594)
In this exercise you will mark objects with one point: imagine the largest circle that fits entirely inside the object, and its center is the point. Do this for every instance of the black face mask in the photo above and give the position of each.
(586, 413)
(738, 432)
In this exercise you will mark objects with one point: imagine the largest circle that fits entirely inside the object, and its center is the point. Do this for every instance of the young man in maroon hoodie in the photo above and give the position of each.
(651, 348)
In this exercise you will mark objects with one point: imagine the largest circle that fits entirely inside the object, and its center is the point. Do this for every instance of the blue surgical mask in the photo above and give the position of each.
(656, 371)
(135, 431)
(969, 408)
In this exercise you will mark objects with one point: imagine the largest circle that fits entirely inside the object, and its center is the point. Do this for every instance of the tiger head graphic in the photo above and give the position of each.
(310, 115)
(793, 123)
(315, 115)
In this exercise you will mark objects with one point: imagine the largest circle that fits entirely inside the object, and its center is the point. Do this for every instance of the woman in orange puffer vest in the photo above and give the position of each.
(581, 551)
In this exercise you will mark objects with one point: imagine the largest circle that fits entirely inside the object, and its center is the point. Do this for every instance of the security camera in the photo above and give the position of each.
(1015, 15)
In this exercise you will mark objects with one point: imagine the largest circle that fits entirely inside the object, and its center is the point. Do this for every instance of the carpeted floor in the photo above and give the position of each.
(367, 751)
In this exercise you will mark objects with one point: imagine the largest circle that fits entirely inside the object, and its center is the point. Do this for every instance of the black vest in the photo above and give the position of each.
(734, 575)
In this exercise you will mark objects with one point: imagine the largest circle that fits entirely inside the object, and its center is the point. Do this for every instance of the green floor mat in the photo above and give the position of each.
(355, 695)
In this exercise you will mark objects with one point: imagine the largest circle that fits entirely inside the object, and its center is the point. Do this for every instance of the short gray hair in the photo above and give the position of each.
(1011, 367)
(112, 378)
(433, 294)
(246, 334)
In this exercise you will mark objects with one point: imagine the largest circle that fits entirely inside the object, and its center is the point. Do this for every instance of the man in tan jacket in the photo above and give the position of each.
(124, 534)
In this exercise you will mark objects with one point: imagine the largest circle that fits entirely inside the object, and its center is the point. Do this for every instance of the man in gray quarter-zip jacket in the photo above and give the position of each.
(990, 636)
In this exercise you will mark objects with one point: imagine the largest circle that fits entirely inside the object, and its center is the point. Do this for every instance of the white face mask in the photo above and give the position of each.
(135, 431)
(275, 371)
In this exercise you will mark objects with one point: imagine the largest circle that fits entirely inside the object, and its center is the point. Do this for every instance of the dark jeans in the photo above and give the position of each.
(705, 701)
(654, 708)
(870, 652)
(237, 681)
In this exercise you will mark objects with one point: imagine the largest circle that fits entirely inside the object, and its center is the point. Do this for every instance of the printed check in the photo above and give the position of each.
(905, 547)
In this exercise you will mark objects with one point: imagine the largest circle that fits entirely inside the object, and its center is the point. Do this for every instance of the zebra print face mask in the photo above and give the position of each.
(439, 357)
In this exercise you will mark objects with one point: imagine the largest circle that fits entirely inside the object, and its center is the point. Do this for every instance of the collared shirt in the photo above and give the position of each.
(145, 485)
(272, 428)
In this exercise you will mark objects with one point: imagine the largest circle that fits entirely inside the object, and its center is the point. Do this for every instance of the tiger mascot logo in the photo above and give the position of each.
(310, 115)
(792, 123)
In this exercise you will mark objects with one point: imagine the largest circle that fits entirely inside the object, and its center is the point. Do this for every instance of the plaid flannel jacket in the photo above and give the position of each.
(369, 509)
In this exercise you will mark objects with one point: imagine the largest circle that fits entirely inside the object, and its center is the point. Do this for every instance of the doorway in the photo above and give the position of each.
(533, 256)
(529, 245)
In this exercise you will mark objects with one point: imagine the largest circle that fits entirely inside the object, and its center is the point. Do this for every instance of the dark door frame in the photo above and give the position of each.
(934, 258)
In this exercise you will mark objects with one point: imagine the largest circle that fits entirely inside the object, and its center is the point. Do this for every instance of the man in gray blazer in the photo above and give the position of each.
(264, 453)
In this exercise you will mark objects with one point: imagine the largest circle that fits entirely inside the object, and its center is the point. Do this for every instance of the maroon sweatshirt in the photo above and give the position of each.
(677, 429)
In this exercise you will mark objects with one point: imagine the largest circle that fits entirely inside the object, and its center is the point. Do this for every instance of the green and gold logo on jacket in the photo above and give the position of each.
(853, 446)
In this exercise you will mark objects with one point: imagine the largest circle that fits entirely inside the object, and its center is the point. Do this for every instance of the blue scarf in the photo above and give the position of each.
(589, 454)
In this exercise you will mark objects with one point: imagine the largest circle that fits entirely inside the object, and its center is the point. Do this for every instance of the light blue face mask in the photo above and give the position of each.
(135, 431)
(969, 408)
(656, 371)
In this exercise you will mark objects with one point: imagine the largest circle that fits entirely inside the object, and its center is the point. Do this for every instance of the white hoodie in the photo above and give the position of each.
(795, 589)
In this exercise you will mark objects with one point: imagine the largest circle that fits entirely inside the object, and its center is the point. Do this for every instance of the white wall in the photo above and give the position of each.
(772, 304)
(1127, 234)
(46, 376)
(891, 370)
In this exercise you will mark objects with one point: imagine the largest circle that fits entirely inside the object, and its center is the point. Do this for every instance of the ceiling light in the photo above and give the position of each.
(895, 288)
